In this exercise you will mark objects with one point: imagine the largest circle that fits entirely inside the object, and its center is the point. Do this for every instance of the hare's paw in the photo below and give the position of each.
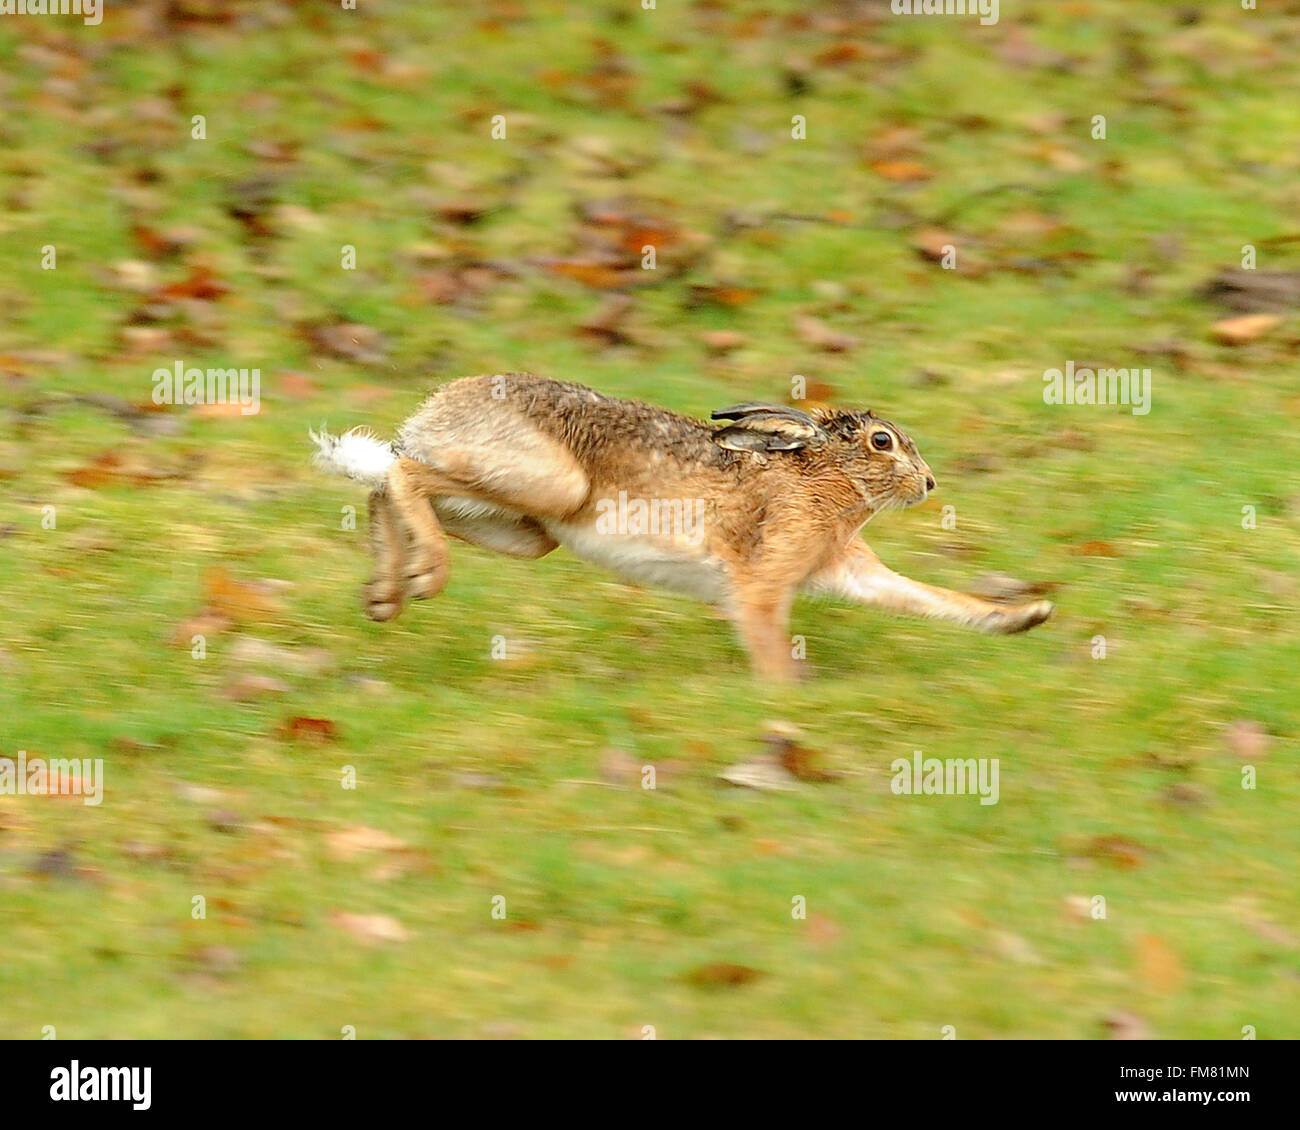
(1008, 621)
(382, 600)
(426, 575)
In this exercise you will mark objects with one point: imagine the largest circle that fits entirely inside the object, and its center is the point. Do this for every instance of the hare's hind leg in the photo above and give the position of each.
(383, 593)
(858, 575)
(531, 475)
(426, 563)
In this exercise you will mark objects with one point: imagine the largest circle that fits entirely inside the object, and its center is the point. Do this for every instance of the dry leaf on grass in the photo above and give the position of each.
(357, 840)
(372, 928)
(239, 600)
(813, 331)
(312, 729)
(1248, 740)
(722, 973)
(1243, 330)
(1158, 966)
(1127, 1026)
(762, 774)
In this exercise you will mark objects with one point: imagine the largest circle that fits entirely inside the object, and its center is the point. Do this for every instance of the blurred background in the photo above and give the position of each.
(437, 827)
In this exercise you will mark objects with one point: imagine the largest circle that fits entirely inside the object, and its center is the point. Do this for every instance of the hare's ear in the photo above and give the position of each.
(767, 427)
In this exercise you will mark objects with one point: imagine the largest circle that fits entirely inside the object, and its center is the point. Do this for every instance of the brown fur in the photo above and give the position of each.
(520, 463)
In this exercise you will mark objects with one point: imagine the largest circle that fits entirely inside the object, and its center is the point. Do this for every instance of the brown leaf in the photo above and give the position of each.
(201, 284)
(1094, 549)
(930, 243)
(371, 927)
(819, 335)
(1248, 740)
(722, 342)
(312, 729)
(1127, 1026)
(720, 294)
(598, 274)
(1244, 329)
(351, 341)
(1125, 853)
(797, 760)
(357, 840)
(723, 973)
(904, 171)
(1254, 292)
(237, 600)
(1014, 948)
(296, 385)
(205, 624)
(1158, 965)
(111, 467)
(300, 660)
(607, 325)
(246, 688)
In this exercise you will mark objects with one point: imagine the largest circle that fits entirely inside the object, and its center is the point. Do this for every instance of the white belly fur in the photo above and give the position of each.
(662, 561)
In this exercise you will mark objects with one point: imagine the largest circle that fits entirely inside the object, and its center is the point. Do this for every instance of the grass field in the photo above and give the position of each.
(126, 532)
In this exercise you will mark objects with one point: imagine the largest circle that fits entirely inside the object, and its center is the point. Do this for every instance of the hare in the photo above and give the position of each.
(742, 513)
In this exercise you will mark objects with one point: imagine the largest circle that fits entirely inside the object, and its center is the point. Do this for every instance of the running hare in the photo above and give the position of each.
(743, 513)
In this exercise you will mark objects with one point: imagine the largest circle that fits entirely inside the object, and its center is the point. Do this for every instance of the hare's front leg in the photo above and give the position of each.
(858, 575)
(761, 614)
(383, 593)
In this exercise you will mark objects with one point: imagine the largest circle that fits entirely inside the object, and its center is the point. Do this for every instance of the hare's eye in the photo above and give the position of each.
(882, 441)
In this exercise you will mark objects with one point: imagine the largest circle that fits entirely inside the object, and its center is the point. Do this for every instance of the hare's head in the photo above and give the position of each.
(880, 457)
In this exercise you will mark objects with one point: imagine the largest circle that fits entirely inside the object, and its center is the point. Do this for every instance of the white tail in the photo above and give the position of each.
(356, 454)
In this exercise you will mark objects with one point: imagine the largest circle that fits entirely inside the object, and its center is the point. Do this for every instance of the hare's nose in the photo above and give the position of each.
(929, 482)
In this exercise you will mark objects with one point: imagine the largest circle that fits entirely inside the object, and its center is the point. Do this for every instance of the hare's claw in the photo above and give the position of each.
(1019, 619)
(383, 601)
(426, 578)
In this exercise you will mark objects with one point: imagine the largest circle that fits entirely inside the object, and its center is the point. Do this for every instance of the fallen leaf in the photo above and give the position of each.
(607, 324)
(351, 341)
(763, 774)
(722, 342)
(815, 332)
(1158, 965)
(1014, 948)
(237, 600)
(1248, 740)
(904, 171)
(300, 660)
(371, 927)
(1254, 292)
(1127, 1026)
(246, 688)
(1125, 853)
(314, 729)
(357, 840)
(1094, 549)
(795, 759)
(205, 624)
(722, 973)
(1244, 329)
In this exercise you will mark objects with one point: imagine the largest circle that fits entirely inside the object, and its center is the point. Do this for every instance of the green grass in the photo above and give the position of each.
(922, 911)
